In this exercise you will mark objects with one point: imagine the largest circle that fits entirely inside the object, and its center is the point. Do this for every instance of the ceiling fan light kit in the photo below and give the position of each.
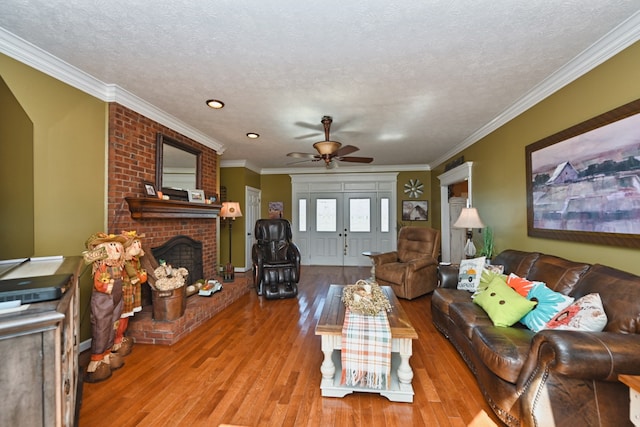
(326, 148)
(329, 150)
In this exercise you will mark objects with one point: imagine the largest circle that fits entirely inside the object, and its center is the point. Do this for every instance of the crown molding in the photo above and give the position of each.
(345, 169)
(37, 58)
(239, 164)
(612, 43)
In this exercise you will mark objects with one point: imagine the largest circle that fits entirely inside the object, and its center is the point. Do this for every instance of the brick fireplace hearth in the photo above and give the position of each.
(199, 309)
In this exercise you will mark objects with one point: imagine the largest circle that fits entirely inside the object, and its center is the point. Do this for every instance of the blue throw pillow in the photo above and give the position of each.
(549, 303)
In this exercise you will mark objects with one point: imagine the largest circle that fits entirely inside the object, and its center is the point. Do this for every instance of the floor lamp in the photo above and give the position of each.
(469, 219)
(230, 211)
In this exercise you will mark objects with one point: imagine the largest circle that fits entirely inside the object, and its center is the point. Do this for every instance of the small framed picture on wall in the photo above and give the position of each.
(415, 210)
(276, 209)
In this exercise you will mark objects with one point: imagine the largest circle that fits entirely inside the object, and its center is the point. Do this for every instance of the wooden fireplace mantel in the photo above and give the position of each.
(152, 208)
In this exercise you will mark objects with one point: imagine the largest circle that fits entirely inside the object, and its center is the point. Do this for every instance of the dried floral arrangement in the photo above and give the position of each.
(365, 298)
(169, 278)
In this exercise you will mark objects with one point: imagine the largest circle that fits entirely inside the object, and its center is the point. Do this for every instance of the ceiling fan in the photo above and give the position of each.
(329, 150)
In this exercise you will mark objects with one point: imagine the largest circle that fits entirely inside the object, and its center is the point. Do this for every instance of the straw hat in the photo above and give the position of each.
(99, 238)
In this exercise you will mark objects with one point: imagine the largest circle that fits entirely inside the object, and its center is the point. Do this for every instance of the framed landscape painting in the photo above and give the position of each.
(583, 184)
(415, 210)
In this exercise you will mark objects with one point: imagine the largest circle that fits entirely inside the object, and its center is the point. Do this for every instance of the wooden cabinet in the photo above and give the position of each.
(39, 351)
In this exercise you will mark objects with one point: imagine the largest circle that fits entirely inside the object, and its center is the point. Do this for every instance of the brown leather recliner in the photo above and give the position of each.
(276, 259)
(411, 270)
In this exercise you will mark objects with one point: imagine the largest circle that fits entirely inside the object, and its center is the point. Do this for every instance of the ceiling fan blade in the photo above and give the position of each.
(309, 135)
(303, 155)
(347, 149)
(312, 126)
(356, 159)
(301, 161)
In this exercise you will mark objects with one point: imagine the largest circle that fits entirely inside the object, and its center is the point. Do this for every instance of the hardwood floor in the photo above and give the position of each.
(257, 363)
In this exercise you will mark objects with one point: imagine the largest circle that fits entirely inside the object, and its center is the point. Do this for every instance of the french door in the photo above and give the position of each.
(340, 226)
(337, 217)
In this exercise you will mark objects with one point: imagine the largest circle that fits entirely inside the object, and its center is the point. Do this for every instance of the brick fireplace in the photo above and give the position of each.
(132, 160)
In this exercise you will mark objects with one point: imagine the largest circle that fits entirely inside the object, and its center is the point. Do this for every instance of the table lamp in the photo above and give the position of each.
(469, 219)
(231, 211)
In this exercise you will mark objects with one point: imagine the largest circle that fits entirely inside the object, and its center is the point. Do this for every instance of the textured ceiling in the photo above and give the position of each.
(408, 82)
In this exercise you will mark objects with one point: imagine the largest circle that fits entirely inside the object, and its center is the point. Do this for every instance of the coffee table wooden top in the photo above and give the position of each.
(332, 316)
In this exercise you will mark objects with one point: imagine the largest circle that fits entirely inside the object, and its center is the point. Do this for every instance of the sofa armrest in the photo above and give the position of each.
(583, 355)
(448, 276)
(384, 258)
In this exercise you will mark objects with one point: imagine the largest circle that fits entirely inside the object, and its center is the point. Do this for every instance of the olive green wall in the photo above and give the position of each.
(235, 180)
(425, 179)
(499, 181)
(69, 164)
(16, 178)
(276, 188)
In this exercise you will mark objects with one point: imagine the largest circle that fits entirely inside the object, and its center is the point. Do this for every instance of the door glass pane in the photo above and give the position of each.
(326, 215)
(302, 215)
(360, 215)
(384, 215)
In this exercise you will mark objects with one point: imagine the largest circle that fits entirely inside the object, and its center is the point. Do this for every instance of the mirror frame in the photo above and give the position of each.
(164, 139)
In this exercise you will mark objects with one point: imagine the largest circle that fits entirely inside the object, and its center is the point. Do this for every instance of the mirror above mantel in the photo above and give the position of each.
(178, 165)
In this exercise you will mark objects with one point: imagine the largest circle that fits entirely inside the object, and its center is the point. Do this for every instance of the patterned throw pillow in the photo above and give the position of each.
(586, 314)
(549, 303)
(469, 273)
(486, 277)
(503, 305)
(520, 284)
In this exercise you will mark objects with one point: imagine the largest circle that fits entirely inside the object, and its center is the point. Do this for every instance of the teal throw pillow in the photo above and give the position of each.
(503, 305)
(549, 303)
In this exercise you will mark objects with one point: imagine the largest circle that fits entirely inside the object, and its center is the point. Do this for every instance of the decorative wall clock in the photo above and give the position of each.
(414, 188)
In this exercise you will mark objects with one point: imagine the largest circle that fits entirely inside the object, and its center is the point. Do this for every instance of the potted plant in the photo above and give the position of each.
(487, 240)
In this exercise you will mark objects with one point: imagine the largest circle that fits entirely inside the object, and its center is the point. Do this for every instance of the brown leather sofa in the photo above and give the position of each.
(553, 377)
(412, 270)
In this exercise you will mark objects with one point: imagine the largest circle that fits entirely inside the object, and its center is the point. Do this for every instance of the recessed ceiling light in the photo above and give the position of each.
(253, 135)
(215, 104)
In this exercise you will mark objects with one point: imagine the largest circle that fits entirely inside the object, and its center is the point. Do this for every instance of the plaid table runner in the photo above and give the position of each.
(366, 350)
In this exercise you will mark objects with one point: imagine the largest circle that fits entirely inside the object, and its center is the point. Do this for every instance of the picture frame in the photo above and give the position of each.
(583, 183)
(149, 189)
(276, 209)
(415, 210)
(196, 196)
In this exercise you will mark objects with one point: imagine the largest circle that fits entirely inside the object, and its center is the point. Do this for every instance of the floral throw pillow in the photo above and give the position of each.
(520, 284)
(585, 314)
(548, 304)
(469, 273)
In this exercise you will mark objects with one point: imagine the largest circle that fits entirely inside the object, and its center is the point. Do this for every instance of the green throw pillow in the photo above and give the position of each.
(503, 305)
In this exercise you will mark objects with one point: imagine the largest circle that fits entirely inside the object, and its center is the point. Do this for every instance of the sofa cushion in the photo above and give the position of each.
(548, 304)
(517, 262)
(467, 316)
(503, 350)
(619, 291)
(503, 305)
(586, 314)
(557, 273)
(442, 298)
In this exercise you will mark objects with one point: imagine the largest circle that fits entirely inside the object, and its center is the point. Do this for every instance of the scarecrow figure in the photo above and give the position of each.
(106, 253)
(131, 289)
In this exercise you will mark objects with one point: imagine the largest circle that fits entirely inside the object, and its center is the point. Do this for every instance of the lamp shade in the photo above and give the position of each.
(230, 210)
(469, 218)
(326, 148)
